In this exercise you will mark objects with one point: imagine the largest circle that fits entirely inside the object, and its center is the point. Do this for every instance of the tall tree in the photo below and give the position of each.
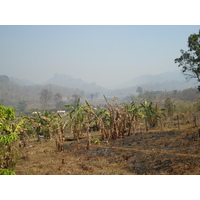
(75, 99)
(45, 97)
(58, 99)
(139, 90)
(190, 59)
(169, 106)
(22, 105)
(91, 96)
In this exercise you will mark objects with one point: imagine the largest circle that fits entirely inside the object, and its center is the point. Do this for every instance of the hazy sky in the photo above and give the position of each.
(106, 55)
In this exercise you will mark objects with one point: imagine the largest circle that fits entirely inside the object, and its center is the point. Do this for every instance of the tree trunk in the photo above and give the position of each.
(178, 123)
(88, 138)
(161, 126)
(146, 125)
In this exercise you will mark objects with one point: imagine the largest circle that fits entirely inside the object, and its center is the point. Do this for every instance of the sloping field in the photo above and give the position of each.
(156, 153)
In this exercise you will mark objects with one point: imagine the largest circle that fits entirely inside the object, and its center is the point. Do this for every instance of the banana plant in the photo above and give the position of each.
(101, 119)
(50, 126)
(77, 115)
(151, 113)
(132, 114)
(9, 134)
(7, 172)
(10, 131)
(7, 113)
(58, 126)
(43, 124)
(115, 118)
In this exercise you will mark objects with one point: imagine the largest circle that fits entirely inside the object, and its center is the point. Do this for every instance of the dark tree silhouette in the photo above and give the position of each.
(190, 59)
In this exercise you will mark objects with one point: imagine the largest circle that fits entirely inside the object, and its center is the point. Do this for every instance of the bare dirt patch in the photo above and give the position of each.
(167, 152)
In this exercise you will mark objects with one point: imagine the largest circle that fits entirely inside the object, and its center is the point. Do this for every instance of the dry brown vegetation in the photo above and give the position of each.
(154, 152)
(127, 139)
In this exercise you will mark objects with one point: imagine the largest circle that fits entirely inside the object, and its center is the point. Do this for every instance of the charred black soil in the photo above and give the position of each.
(170, 152)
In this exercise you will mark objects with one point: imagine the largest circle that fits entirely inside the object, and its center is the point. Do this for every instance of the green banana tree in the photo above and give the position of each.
(103, 116)
(132, 114)
(151, 113)
(100, 119)
(115, 118)
(10, 128)
(50, 126)
(43, 124)
(77, 116)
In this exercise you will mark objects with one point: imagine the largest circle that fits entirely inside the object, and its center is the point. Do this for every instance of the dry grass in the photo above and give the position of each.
(167, 152)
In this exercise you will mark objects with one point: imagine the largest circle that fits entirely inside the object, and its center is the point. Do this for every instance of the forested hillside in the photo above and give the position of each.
(30, 97)
(27, 98)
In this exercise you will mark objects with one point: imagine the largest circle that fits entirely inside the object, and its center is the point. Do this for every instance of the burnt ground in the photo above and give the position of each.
(170, 152)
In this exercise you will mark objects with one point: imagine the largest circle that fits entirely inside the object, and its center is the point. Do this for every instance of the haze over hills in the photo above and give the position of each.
(167, 81)
(21, 81)
(69, 81)
(14, 90)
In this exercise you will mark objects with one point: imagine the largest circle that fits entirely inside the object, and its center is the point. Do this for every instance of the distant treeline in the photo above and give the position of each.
(189, 94)
(41, 97)
(29, 97)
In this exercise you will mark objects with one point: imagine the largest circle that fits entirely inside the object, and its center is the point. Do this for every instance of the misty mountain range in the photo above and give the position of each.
(166, 81)
(69, 81)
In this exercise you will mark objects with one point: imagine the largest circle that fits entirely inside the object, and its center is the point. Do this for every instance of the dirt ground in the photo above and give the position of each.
(152, 153)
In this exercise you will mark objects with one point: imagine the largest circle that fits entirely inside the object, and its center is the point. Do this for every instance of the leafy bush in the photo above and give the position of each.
(9, 134)
(96, 141)
(7, 172)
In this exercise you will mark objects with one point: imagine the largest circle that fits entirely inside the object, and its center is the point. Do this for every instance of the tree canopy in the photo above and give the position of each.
(190, 59)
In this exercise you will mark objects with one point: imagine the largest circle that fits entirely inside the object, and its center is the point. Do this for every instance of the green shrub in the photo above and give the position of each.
(7, 172)
(96, 141)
